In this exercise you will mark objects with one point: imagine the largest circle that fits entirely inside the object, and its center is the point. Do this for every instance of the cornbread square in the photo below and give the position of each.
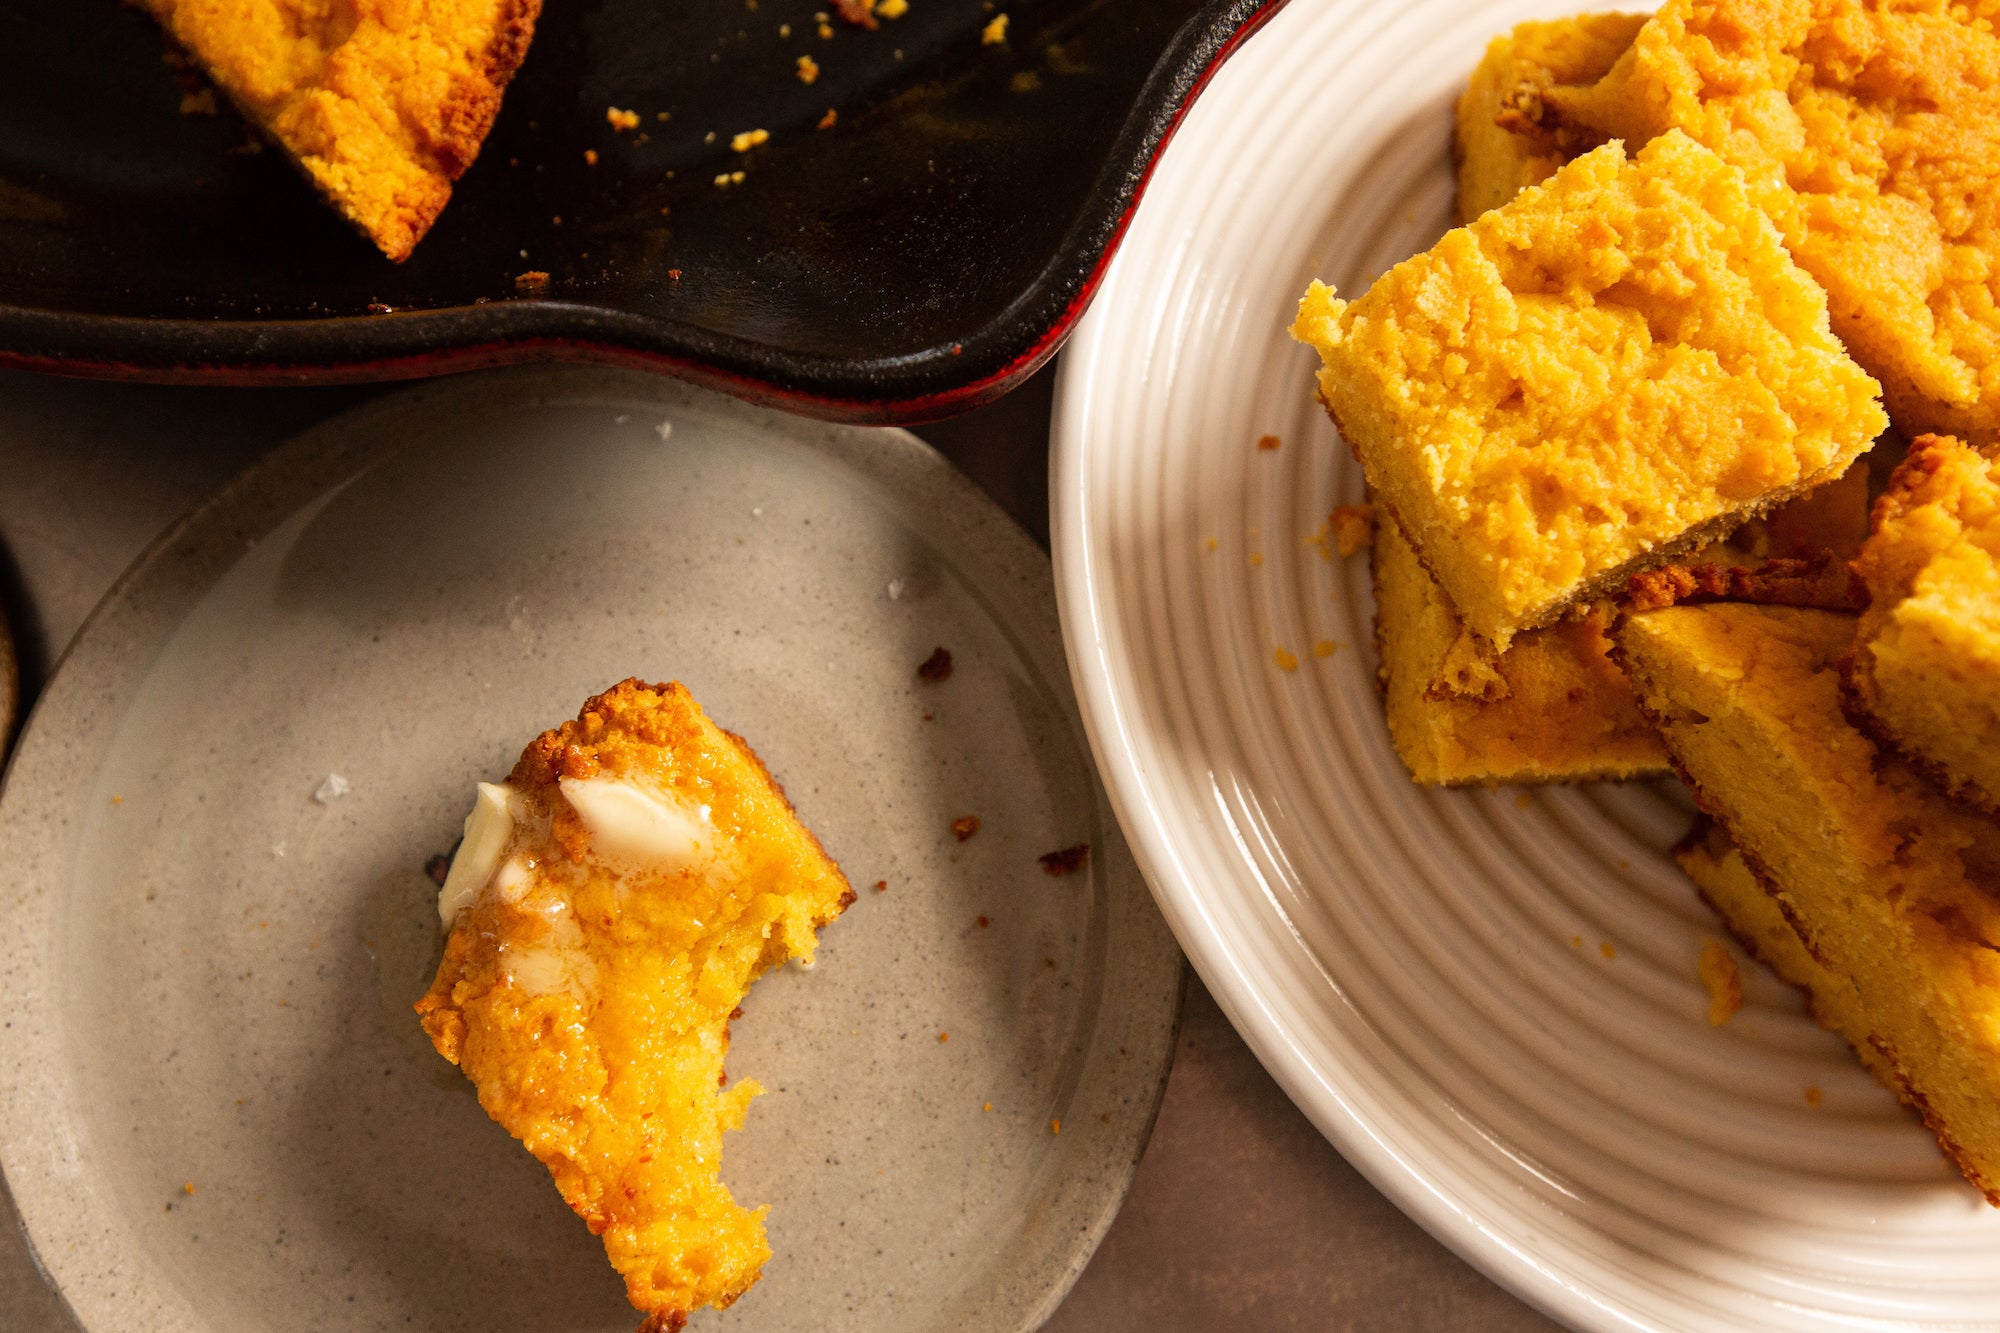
(1892, 889)
(1503, 142)
(1552, 708)
(1924, 676)
(1870, 132)
(1617, 366)
(1757, 920)
(608, 908)
(382, 103)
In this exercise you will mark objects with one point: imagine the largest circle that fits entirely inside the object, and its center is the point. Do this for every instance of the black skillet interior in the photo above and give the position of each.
(912, 258)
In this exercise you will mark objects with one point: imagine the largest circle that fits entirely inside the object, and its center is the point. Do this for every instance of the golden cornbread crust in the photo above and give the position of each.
(1616, 367)
(381, 103)
(1923, 679)
(1889, 887)
(1820, 581)
(1503, 142)
(1870, 131)
(1552, 708)
(589, 998)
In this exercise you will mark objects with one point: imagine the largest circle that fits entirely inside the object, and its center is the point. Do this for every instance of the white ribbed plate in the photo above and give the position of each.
(1402, 960)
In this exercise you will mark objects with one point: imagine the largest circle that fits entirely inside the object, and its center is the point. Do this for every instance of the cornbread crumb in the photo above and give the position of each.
(892, 9)
(808, 69)
(1065, 861)
(995, 32)
(200, 102)
(187, 1187)
(1055, 1126)
(1285, 660)
(1608, 949)
(1325, 648)
(534, 280)
(856, 13)
(749, 139)
(590, 157)
(1353, 527)
(943, 1037)
(1720, 979)
(829, 120)
(1533, 437)
(621, 120)
(937, 667)
(825, 31)
(1923, 678)
(1256, 559)
(1268, 442)
(1813, 1096)
(987, 1107)
(1576, 941)
(964, 827)
(881, 886)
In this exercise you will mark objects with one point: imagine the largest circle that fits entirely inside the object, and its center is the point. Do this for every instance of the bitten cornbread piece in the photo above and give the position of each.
(1891, 887)
(609, 907)
(1618, 366)
(1504, 143)
(1753, 915)
(382, 103)
(1924, 676)
(1870, 132)
(1552, 708)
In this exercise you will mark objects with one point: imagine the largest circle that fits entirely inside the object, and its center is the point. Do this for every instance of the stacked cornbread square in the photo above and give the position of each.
(1622, 456)
(1924, 676)
(1891, 889)
(1614, 368)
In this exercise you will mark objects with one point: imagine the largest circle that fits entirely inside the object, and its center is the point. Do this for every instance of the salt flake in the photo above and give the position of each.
(332, 789)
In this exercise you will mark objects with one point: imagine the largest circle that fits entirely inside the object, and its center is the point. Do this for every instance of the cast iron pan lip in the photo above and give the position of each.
(926, 385)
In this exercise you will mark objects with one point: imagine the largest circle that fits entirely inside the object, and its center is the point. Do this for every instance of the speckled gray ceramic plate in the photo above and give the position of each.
(218, 1111)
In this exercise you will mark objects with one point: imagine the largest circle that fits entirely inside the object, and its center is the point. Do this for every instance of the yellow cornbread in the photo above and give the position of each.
(1552, 708)
(1730, 887)
(1890, 887)
(1617, 366)
(1924, 675)
(382, 103)
(1503, 142)
(645, 870)
(1870, 132)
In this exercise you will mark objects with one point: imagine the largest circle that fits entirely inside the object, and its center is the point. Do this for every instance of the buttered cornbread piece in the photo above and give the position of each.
(1552, 708)
(1504, 143)
(1870, 131)
(1893, 889)
(1924, 675)
(382, 103)
(1617, 366)
(609, 907)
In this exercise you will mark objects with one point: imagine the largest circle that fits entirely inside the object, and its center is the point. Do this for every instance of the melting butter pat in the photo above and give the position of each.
(639, 825)
(489, 830)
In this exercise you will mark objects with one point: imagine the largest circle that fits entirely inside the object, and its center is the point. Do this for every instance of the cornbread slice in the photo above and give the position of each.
(382, 103)
(1617, 366)
(1892, 888)
(1755, 917)
(1552, 708)
(1870, 131)
(1924, 676)
(608, 909)
(1503, 142)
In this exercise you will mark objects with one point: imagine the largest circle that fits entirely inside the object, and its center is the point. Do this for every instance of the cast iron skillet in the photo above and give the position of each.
(916, 258)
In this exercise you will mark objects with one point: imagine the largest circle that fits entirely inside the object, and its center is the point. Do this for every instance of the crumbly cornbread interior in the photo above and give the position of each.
(1503, 141)
(1620, 364)
(382, 103)
(1924, 677)
(1870, 131)
(1891, 887)
(1552, 708)
(588, 995)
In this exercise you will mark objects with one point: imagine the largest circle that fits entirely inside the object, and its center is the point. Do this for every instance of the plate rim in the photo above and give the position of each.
(316, 461)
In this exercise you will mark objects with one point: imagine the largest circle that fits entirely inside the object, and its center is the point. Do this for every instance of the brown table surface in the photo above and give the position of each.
(1241, 1216)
